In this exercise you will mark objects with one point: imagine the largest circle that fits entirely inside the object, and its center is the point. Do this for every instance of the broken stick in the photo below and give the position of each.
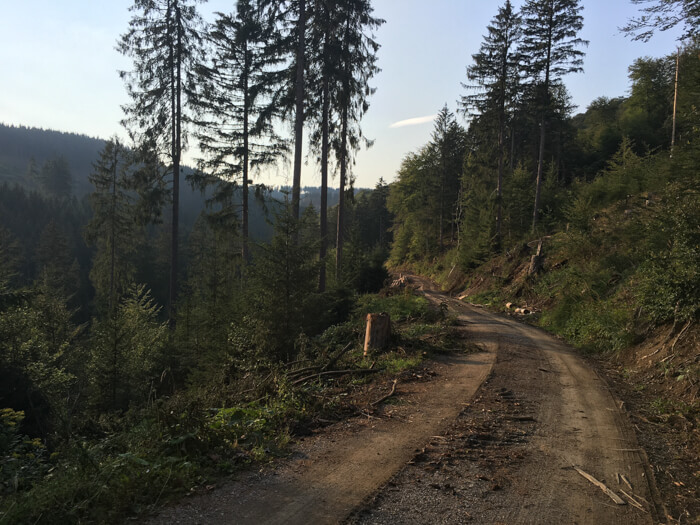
(633, 501)
(384, 398)
(617, 499)
(627, 481)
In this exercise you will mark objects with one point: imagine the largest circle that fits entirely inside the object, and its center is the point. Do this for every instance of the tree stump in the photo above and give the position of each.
(378, 331)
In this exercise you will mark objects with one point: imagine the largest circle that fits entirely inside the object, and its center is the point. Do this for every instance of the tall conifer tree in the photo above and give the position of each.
(164, 42)
(448, 143)
(495, 75)
(358, 64)
(112, 227)
(550, 42)
(238, 110)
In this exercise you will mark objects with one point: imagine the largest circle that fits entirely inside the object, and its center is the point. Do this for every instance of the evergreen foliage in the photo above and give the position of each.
(164, 42)
(114, 227)
(238, 109)
(103, 408)
(550, 41)
(495, 73)
(127, 352)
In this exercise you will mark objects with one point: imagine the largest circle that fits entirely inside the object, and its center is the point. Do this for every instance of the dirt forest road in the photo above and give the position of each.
(493, 437)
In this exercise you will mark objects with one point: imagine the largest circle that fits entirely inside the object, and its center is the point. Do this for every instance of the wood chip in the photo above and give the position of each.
(617, 499)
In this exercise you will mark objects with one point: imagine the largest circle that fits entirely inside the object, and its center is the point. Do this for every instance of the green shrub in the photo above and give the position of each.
(399, 307)
(599, 326)
(669, 281)
(23, 460)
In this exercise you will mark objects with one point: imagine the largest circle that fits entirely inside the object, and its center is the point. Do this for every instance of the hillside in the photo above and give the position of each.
(20, 146)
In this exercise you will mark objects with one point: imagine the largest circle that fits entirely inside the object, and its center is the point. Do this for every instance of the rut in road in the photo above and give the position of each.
(507, 457)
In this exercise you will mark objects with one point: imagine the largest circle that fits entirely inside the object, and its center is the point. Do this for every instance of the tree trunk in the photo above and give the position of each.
(176, 79)
(299, 108)
(112, 247)
(543, 121)
(538, 183)
(246, 155)
(341, 195)
(442, 198)
(324, 183)
(499, 189)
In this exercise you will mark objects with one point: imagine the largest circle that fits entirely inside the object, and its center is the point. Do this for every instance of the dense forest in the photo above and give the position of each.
(150, 312)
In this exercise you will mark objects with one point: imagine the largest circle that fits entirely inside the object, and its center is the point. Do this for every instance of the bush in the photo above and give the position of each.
(23, 460)
(669, 281)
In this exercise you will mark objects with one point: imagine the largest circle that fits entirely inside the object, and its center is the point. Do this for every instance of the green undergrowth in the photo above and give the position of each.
(620, 267)
(129, 464)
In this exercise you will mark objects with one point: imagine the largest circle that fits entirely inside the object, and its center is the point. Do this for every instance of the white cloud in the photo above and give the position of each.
(413, 121)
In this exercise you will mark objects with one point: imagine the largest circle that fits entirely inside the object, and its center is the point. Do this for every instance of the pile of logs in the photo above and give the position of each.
(401, 282)
(519, 310)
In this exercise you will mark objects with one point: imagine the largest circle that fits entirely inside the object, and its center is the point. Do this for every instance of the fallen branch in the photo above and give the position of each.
(337, 356)
(333, 373)
(384, 398)
(617, 499)
(654, 352)
(521, 418)
(685, 328)
(297, 373)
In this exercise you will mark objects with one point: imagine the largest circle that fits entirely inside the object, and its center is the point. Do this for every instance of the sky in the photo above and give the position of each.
(60, 68)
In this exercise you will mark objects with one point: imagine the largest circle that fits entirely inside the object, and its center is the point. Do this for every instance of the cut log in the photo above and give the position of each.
(378, 332)
(617, 499)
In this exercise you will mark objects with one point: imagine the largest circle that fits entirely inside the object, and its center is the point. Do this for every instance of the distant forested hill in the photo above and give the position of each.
(25, 152)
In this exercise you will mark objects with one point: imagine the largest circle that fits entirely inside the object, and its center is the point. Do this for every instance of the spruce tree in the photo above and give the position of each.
(236, 123)
(449, 144)
(292, 19)
(164, 42)
(495, 76)
(550, 43)
(113, 228)
(357, 66)
(324, 46)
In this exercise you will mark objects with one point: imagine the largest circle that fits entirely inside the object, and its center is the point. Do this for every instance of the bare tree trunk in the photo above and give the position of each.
(324, 183)
(538, 183)
(246, 155)
(176, 86)
(299, 109)
(675, 102)
(112, 247)
(499, 187)
(341, 195)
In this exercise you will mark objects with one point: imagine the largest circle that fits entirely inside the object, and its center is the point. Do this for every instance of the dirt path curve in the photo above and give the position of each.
(509, 457)
(334, 472)
(505, 458)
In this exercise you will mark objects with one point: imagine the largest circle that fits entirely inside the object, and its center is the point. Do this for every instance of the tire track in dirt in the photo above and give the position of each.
(457, 452)
(511, 453)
